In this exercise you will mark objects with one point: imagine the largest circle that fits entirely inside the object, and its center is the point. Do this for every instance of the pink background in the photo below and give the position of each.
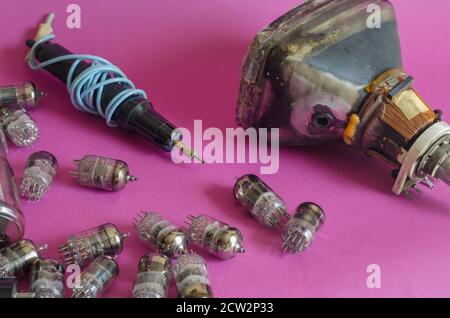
(187, 56)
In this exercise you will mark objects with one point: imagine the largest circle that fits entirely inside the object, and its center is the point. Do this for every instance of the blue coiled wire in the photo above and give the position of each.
(86, 89)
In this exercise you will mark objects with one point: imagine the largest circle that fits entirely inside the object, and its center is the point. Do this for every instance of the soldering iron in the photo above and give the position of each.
(98, 87)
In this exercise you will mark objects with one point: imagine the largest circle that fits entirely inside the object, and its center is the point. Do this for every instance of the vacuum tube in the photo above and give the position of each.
(17, 258)
(102, 173)
(96, 278)
(161, 234)
(82, 248)
(152, 280)
(191, 277)
(11, 218)
(23, 95)
(47, 278)
(38, 175)
(264, 204)
(214, 236)
(302, 227)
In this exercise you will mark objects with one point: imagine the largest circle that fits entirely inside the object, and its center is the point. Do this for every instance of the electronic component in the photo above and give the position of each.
(161, 234)
(436, 162)
(214, 236)
(98, 87)
(19, 126)
(264, 204)
(47, 278)
(9, 289)
(191, 277)
(82, 248)
(11, 217)
(102, 173)
(18, 257)
(38, 175)
(152, 280)
(96, 278)
(415, 140)
(22, 95)
(301, 228)
(347, 83)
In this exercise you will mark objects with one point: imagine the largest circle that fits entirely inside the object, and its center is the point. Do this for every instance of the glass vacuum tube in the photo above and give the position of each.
(11, 218)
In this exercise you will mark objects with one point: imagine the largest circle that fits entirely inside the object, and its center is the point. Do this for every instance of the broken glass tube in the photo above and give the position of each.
(329, 71)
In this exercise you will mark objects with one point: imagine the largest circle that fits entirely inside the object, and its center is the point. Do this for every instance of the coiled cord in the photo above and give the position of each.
(86, 89)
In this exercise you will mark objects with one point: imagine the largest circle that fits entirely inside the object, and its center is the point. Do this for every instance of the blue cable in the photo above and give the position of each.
(91, 82)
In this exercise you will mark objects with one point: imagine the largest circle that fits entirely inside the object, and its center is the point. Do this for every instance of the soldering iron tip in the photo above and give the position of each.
(199, 159)
(185, 150)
